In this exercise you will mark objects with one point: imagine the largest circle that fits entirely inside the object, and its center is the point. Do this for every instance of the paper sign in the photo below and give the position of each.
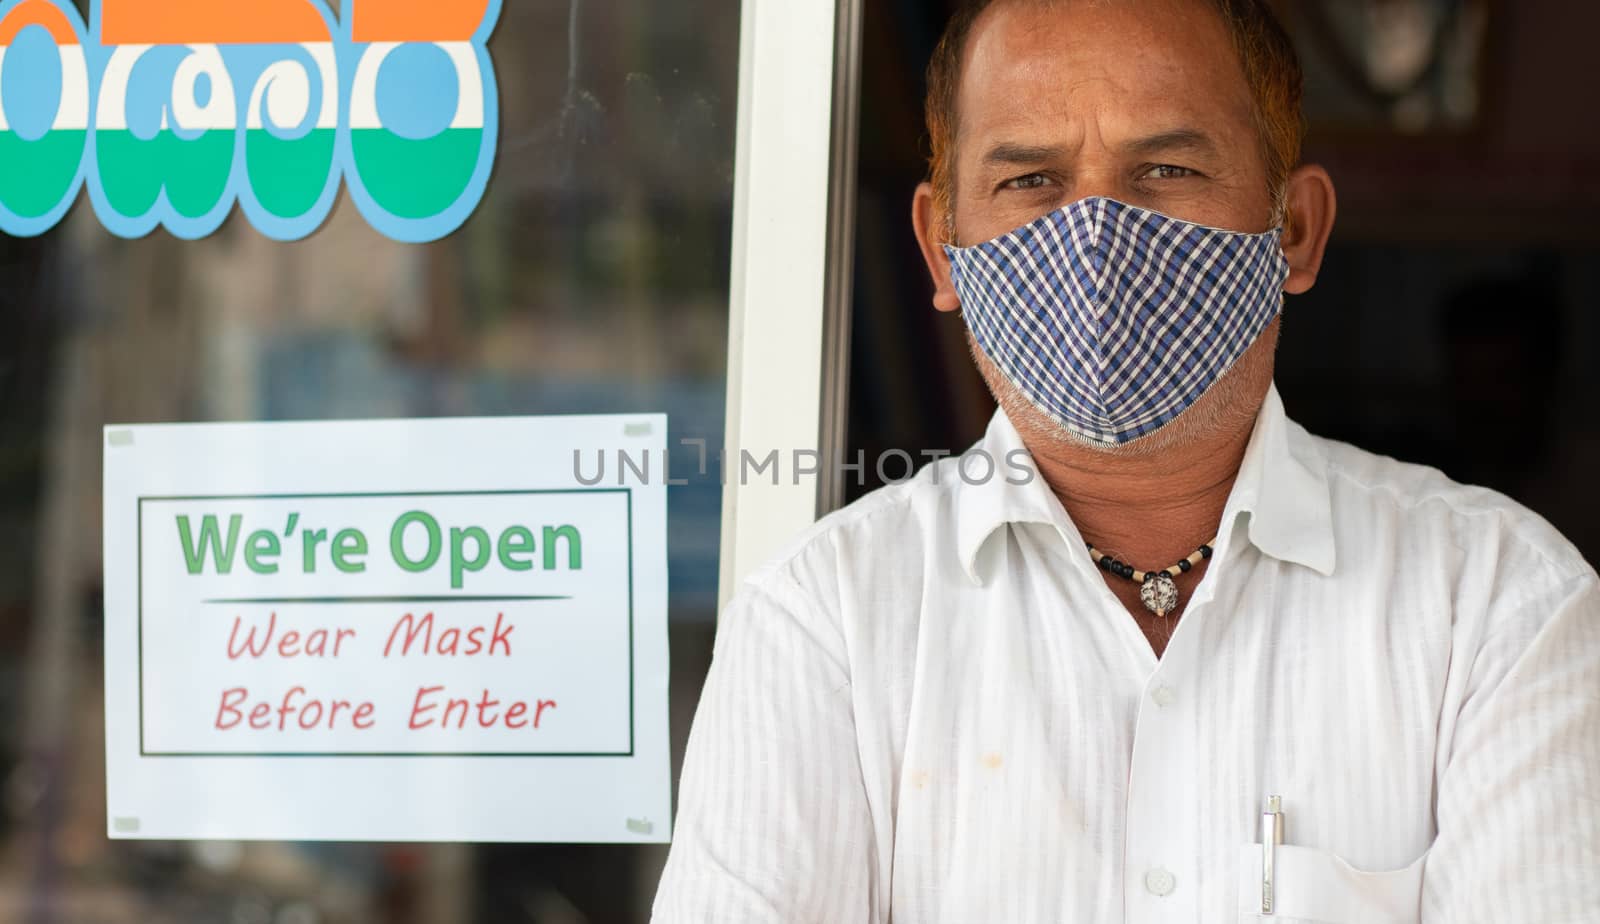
(386, 630)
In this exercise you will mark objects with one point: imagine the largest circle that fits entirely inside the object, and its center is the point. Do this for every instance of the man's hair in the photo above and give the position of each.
(1265, 53)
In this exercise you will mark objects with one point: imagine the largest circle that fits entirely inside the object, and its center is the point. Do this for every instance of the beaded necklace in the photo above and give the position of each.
(1158, 593)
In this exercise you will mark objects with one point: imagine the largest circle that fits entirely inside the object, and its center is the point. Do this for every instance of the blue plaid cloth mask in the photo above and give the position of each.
(1113, 319)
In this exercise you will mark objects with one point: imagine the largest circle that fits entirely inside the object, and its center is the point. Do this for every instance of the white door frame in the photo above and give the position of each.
(790, 285)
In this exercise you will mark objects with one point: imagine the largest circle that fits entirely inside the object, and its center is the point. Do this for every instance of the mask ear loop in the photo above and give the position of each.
(1281, 218)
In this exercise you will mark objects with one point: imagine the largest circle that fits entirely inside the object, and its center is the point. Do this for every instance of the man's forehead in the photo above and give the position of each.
(1138, 20)
(1033, 63)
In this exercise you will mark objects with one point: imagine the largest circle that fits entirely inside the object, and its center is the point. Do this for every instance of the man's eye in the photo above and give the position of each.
(1168, 172)
(1031, 181)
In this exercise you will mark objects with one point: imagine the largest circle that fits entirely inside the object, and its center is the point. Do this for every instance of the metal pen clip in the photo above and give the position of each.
(1271, 837)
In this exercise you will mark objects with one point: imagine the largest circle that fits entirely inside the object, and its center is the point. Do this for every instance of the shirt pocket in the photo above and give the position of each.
(1317, 886)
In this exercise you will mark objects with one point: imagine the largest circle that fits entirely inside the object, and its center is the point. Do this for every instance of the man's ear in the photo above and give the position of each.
(1312, 207)
(929, 226)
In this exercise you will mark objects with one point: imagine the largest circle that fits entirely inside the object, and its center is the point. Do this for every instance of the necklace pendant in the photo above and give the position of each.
(1159, 594)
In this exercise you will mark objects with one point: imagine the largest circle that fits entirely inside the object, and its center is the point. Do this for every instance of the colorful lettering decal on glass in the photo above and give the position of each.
(176, 110)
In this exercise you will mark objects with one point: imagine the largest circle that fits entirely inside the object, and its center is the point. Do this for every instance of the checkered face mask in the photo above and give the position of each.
(1113, 319)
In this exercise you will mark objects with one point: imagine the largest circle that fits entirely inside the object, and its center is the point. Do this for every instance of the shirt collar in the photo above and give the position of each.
(1282, 484)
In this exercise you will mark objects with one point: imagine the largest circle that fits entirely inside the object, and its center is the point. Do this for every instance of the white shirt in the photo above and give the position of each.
(933, 707)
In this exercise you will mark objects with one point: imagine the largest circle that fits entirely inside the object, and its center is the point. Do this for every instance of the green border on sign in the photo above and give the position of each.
(139, 525)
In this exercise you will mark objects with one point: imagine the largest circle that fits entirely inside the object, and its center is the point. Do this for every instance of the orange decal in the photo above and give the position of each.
(210, 22)
(416, 20)
(38, 13)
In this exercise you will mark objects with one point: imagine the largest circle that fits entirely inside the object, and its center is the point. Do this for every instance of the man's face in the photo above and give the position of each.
(1144, 102)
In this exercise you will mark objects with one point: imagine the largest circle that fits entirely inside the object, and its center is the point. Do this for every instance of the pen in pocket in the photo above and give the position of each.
(1271, 837)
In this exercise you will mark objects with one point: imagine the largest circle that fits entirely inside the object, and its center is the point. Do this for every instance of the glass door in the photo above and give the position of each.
(647, 153)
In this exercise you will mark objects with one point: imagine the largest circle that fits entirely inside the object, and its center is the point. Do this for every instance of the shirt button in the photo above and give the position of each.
(1160, 882)
(1164, 696)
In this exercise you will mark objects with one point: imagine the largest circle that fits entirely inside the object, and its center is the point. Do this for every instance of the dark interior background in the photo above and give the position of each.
(1454, 323)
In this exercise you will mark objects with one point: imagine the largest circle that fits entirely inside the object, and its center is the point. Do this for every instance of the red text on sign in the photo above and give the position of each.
(410, 630)
(318, 643)
(430, 710)
(296, 709)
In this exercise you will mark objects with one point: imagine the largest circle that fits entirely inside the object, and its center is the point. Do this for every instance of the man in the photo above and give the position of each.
(1071, 699)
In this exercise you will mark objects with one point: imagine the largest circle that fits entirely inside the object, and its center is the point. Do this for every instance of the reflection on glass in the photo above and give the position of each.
(592, 279)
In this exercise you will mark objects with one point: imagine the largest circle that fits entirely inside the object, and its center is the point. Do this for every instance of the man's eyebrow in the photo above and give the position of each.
(1179, 139)
(1011, 153)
